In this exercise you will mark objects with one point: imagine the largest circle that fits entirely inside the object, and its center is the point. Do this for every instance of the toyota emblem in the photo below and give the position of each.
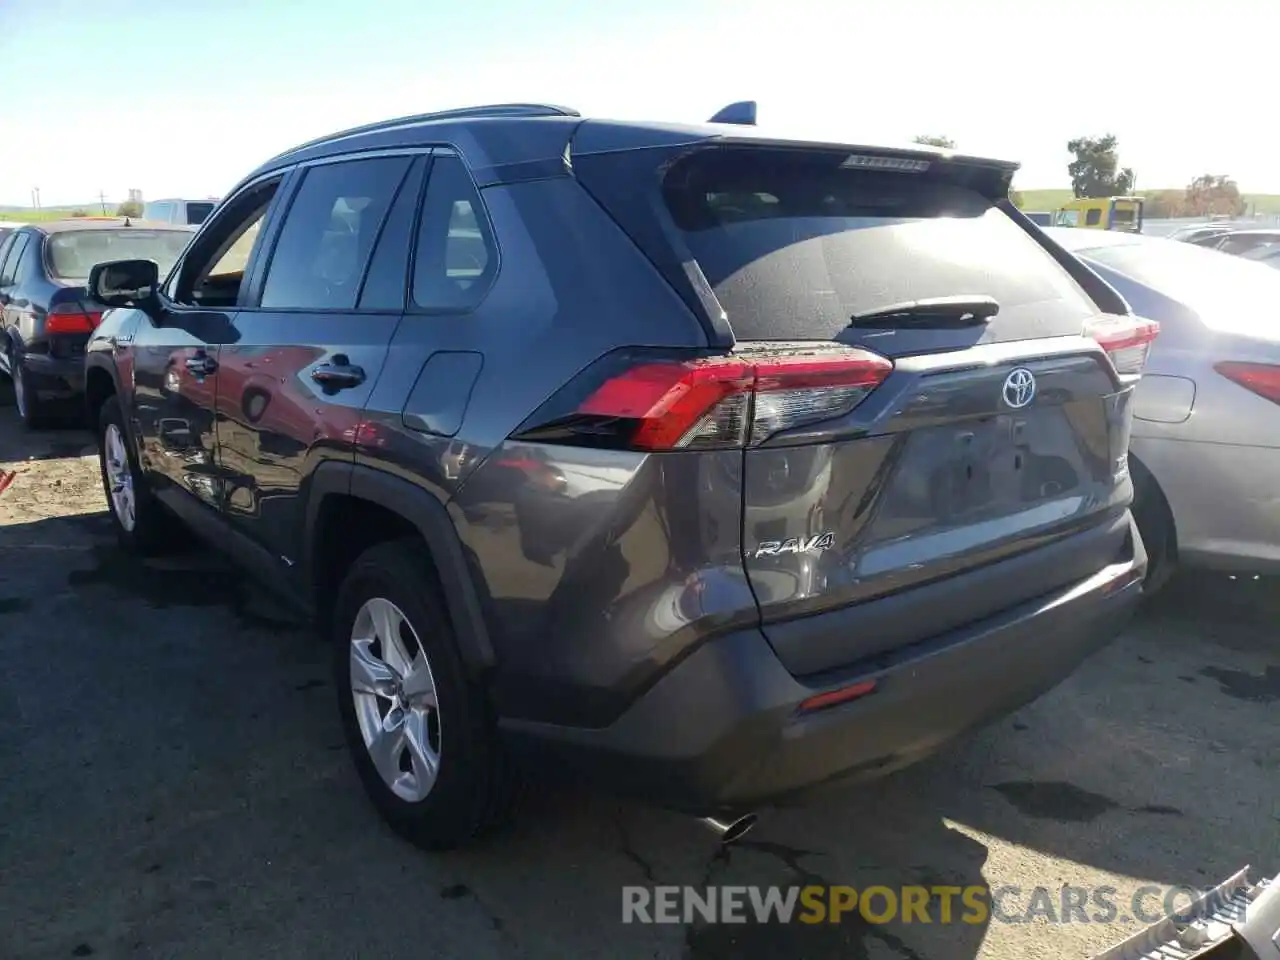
(1019, 388)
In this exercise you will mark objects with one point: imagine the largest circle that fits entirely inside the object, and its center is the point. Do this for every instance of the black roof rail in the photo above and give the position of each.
(458, 113)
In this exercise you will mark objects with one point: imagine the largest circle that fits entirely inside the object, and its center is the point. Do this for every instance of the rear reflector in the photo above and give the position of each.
(725, 401)
(71, 318)
(1261, 378)
(833, 697)
(1127, 341)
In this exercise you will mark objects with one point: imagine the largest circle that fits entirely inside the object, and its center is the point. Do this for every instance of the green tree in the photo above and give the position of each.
(946, 143)
(1095, 171)
(130, 208)
(1210, 194)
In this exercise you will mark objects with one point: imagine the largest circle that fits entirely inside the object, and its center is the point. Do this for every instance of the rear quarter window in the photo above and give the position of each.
(794, 245)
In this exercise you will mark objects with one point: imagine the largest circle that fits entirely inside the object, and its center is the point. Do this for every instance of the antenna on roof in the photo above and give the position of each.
(743, 113)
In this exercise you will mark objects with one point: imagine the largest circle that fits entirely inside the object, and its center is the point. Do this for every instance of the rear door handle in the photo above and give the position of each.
(338, 374)
(201, 364)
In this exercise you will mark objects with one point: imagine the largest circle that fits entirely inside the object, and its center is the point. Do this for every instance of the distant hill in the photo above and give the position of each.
(29, 215)
(1053, 199)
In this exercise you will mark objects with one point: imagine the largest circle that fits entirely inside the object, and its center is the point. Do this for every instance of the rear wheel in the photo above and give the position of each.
(25, 396)
(1155, 524)
(421, 733)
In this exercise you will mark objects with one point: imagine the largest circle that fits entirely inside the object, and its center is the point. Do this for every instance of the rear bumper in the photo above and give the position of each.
(55, 378)
(722, 731)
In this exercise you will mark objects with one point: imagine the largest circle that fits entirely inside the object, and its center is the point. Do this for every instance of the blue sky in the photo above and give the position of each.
(182, 97)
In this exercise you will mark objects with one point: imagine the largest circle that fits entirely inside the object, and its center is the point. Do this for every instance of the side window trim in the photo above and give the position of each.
(425, 158)
(251, 291)
(411, 305)
(256, 269)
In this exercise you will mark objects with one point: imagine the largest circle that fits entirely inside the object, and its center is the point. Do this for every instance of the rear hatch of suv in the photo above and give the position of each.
(933, 410)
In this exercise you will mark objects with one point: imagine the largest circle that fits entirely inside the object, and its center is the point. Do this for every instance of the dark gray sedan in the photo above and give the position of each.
(46, 318)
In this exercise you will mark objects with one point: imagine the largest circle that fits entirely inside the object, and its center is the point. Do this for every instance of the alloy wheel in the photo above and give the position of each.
(395, 700)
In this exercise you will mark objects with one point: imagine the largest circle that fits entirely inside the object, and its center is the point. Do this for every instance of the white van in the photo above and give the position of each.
(190, 212)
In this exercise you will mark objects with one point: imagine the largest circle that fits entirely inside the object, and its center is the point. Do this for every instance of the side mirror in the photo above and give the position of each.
(125, 283)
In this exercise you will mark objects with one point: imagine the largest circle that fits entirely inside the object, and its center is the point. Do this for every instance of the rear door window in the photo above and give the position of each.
(5, 247)
(8, 268)
(795, 244)
(329, 232)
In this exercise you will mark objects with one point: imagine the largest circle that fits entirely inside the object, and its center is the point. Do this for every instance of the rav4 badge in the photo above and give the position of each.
(775, 548)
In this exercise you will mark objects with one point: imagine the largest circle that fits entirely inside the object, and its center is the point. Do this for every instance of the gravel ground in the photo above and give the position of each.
(175, 785)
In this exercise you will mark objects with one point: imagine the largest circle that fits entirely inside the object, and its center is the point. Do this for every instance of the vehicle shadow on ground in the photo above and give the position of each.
(193, 735)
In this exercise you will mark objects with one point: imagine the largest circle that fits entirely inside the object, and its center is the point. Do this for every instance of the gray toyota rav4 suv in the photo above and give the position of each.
(707, 464)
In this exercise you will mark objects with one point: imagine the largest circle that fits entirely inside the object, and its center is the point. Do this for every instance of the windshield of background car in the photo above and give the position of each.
(71, 255)
(795, 244)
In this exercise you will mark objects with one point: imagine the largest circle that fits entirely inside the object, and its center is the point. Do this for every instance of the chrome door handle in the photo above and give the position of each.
(201, 365)
(338, 374)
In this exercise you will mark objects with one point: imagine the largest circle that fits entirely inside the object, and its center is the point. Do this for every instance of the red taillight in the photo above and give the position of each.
(1262, 378)
(731, 400)
(1127, 341)
(71, 318)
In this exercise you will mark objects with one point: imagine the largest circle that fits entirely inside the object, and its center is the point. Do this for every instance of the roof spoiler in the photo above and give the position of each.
(742, 113)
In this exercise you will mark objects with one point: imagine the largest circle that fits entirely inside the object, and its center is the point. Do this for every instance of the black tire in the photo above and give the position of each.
(152, 524)
(25, 398)
(476, 786)
(1156, 526)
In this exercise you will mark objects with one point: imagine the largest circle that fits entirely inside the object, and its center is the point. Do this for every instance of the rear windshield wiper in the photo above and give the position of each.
(934, 313)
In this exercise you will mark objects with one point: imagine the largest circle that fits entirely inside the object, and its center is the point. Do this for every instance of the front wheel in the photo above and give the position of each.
(421, 734)
(138, 518)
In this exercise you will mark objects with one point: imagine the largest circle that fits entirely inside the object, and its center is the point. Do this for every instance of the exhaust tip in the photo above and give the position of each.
(731, 831)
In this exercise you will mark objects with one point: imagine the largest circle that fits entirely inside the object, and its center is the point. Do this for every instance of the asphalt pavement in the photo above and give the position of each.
(173, 783)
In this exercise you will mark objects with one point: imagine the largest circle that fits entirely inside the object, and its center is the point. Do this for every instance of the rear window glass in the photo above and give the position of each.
(198, 212)
(73, 254)
(794, 245)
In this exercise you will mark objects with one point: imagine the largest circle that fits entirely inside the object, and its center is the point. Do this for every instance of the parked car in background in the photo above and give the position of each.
(1206, 430)
(185, 212)
(1239, 242)
(1199, 234)
(1268, 255)
(832, 444)
(45, 321)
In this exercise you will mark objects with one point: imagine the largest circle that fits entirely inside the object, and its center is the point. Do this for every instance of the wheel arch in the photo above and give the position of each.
(1156, 521)
(101, 382)
(403, 507)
